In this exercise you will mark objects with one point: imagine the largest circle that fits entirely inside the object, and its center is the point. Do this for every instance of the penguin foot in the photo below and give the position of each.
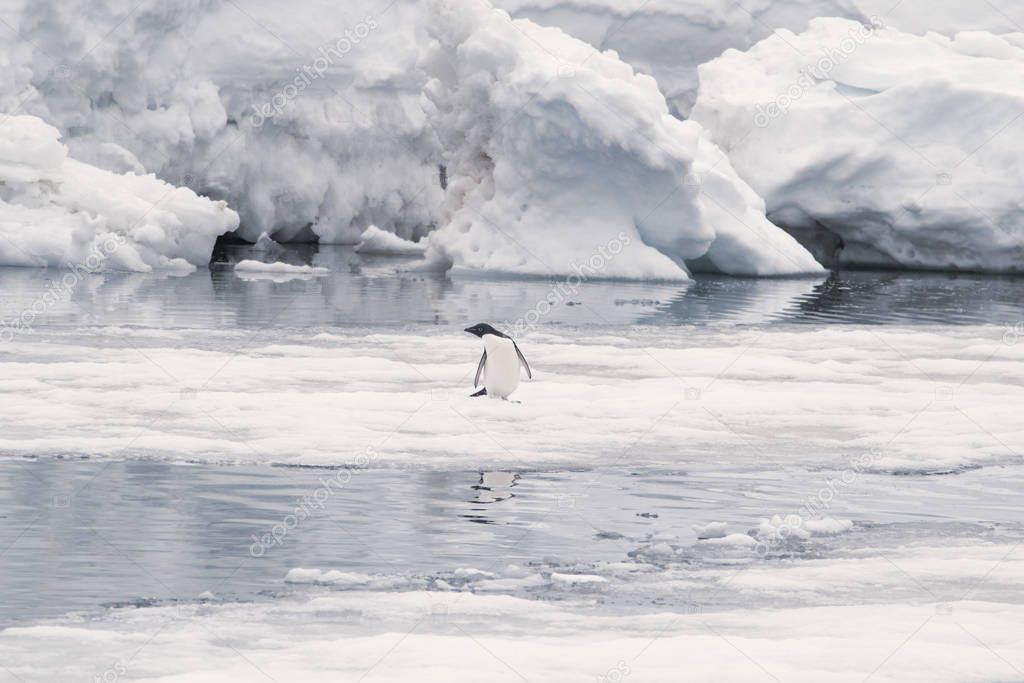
(482, 392)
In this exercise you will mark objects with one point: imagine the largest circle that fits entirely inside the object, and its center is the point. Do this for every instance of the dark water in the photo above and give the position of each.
(377, 292)
(77, 535)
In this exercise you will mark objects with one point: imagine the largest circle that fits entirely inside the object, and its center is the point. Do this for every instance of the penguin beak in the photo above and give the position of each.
(470, 330)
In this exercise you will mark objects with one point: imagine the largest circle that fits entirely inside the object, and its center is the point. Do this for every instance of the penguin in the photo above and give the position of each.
(499, 364)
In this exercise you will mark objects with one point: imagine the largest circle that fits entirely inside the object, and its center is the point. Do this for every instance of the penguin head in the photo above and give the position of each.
(480, 329)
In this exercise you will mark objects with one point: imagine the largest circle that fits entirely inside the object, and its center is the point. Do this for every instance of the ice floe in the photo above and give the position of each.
(561, 160)
(59, 212)
(840, 398)
(377, 241)
(877, 147)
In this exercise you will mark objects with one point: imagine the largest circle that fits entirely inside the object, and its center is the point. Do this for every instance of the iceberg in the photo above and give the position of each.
(278, 267)
(380, 242)
(59, 212)
(306, 122)
(879, 148)
(317, 125)
(562, 160)
(669, 39)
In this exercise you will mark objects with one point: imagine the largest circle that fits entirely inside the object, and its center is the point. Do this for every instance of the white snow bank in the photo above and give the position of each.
(880, 148)
(278, 267)
(310, 122)
(303, 117)
(377, 241)
(56, 211)
(562, 160)
(670, 38)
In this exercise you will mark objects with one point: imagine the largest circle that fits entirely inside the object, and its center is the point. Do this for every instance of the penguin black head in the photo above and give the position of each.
(480, 329)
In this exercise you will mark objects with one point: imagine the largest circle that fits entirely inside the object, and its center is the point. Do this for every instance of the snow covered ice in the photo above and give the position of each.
(841, 392)
(670, 39)
(282, 125)
(361, 130)
(885, 148)
(377, 241)
(59, 212)
(577, 135)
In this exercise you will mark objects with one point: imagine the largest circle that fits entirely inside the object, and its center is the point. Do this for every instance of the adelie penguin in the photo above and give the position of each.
(499, 364)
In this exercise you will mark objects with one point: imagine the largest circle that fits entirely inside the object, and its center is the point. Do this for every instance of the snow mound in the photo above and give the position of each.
(278, 267)
(780, 528)
(669, 39)
(304, 118)
(59, 212)
(562, 160)
(711, 530)
(377, 241)
(879, 148)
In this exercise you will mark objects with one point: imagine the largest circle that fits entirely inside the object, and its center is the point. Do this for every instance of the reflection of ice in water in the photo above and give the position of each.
(372, 292)
(495, 486)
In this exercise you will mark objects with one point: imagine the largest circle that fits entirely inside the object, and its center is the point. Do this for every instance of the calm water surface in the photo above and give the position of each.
(378, 292)
(78, 535)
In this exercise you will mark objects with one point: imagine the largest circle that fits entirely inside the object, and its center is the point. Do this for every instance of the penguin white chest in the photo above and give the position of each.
(501, 373)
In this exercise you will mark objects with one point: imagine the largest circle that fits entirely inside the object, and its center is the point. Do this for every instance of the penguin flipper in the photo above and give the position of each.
(522, 360)
(480, 370)
(482, 392)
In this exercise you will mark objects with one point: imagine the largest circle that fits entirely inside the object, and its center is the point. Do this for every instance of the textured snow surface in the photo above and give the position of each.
(319, 123)
(278, 267)
(56, 211)
(425, 635)
(669, 39)
(562, 160)
(889, 400)
(305, 119)
(377, 241)
(878, 147)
